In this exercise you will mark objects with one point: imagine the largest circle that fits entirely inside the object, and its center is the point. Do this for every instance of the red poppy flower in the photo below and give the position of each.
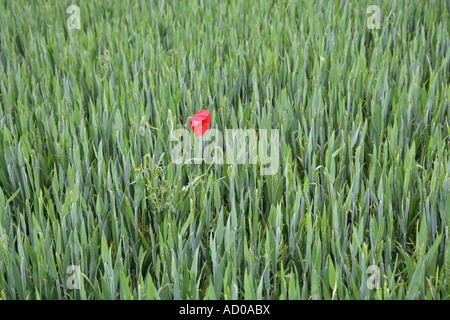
(200, 122)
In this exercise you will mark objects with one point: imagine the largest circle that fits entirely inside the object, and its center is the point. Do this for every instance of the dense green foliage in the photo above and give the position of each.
(85, 170)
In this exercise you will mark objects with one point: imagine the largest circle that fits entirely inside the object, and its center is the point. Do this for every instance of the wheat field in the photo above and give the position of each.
(92, 205)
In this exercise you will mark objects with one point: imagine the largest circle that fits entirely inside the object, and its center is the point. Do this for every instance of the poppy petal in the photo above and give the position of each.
(200, 122)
